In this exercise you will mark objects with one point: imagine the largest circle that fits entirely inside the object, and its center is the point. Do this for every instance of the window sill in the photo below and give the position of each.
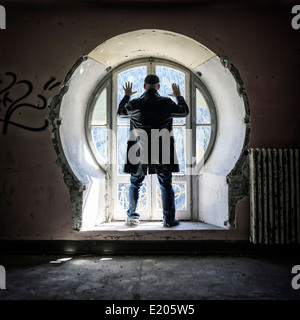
(153, 226)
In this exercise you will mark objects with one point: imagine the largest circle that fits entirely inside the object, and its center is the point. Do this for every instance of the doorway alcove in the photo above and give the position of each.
(216, 185)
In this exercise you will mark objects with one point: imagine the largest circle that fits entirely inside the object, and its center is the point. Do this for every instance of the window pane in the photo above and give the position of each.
(179, 136)
(168, 76)
(136, 76)
(99, 112)
(202, 137)
(203, 114)
(99, 135)
(123, 133)
(179, 192)
(123, 197)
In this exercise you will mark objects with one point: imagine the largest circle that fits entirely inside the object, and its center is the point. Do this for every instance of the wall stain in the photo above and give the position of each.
(7, 192)
(10, 158)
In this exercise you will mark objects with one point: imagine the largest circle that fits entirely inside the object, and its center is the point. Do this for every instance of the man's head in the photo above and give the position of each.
(151, 82)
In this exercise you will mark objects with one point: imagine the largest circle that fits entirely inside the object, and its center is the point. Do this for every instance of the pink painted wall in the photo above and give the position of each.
(44, 39)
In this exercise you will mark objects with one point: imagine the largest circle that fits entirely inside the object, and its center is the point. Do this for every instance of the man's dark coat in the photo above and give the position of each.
(148, 115)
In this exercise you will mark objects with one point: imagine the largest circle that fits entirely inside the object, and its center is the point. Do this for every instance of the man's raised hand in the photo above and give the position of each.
(128, 89)
(176, 91)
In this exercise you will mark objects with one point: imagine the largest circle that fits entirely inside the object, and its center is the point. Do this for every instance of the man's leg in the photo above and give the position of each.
(136, 183)
(168, 199)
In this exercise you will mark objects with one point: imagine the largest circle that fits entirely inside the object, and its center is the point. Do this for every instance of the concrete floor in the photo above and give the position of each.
(92, 277)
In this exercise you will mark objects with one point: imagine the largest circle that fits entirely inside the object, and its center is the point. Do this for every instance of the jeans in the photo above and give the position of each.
(167, 195)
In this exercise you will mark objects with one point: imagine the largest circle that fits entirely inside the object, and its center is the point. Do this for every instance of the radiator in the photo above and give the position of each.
(274, 196)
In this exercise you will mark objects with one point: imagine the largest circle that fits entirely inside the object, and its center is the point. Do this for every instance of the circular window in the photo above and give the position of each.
(108, 134)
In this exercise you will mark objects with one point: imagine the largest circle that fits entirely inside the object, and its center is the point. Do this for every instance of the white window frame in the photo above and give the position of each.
(109, 83)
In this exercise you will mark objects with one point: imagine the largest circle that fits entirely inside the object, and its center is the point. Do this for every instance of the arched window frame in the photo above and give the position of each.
(105, 83)
(108, 83)
(198, 84)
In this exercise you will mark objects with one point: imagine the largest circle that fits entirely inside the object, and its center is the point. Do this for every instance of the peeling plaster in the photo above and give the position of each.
(238, 182)
(224, 169)
(74, 186)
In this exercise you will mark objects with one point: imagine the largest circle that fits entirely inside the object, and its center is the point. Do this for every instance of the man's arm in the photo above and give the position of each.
(179, 109)
(125, 107)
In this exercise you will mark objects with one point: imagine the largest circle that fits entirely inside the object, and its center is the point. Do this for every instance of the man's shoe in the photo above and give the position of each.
(173, 223)
(132, 222)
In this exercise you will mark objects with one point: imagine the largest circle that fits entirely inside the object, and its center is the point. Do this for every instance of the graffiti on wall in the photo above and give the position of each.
(9, 103)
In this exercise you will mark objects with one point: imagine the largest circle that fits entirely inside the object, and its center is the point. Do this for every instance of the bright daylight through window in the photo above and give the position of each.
(109, 133)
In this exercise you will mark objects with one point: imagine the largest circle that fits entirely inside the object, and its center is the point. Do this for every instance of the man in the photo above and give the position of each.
(151, 146)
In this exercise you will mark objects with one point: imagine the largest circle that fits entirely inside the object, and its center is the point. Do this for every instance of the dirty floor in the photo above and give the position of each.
(93, 277)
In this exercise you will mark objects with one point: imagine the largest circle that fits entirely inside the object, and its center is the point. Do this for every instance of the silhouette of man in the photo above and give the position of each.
(151, 146)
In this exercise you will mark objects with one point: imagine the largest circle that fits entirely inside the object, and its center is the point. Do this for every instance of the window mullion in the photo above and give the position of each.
(151, 67)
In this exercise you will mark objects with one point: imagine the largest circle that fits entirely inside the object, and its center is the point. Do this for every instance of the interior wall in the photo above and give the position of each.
(43, 40)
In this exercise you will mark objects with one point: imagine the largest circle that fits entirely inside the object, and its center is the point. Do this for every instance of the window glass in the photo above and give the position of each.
(136, 76)
(99, 125)
(179, 135)
(167, 77)
(202, 112)
(203, 126)
(99, 134)
(123, 134)
(179, 193)
(123, 197)
(202, 137)
(99, 112)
